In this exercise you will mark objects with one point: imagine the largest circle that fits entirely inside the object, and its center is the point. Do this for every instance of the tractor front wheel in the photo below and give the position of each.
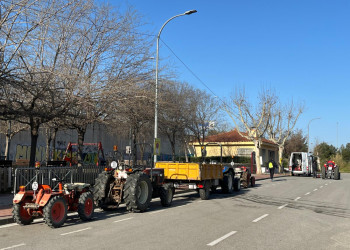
(55, 212)
(20, 214)
(245, 179)
(86, 206)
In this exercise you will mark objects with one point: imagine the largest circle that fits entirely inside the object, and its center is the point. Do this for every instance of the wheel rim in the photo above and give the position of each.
(58, 211)
(88, 207)
(142, 192)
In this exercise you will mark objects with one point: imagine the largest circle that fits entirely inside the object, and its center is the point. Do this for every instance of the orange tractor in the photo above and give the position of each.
(53, 204)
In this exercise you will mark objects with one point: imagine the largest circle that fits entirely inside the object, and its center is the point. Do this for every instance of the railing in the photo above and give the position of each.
(25, 176)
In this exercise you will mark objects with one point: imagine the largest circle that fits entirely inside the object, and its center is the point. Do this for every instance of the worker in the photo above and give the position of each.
(271, 169)
(314, 168)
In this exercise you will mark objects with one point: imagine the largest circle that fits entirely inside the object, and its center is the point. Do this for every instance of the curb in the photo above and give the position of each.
(6, 220)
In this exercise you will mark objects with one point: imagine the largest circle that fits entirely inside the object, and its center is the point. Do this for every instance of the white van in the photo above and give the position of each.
(300, 163)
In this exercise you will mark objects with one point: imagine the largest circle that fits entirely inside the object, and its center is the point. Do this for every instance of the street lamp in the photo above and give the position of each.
(308, 133)
(189, 12)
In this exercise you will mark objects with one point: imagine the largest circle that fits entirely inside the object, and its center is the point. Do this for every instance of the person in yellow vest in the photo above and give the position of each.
(271, 169)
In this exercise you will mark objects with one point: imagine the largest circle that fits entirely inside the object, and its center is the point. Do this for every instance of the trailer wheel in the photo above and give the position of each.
(245, 179)
(237, 184)
(204, 192)
(227, 183)
(323, 171)
(101, 189)
(20, 215)
(86, 206)
(166, 195)
(55, 212)
(336, 173)
(252, 181)
(137, 192)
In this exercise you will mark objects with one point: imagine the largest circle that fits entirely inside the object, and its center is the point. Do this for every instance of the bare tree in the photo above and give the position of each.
(281, 124)
(254, 119)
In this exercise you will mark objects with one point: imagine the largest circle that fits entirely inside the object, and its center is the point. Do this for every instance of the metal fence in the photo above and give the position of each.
(25, 176)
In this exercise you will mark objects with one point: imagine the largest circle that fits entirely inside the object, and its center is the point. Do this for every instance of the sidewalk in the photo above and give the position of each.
(6, 200)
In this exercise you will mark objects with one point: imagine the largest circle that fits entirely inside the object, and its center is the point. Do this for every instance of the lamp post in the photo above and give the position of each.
(308, 133)
(189, 12)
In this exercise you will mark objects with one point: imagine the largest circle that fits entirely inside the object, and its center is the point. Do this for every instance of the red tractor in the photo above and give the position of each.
(247, 179)
(53, 204)
(330, 170)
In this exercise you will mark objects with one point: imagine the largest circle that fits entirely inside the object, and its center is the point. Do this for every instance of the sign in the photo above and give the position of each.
(128, 149)
(156, 146)
(35, 186)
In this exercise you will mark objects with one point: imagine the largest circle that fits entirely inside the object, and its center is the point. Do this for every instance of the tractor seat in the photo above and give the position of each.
(78, 186)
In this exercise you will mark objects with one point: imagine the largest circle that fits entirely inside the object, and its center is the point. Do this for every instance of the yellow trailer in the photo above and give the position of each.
(200, 176)
(190, 171)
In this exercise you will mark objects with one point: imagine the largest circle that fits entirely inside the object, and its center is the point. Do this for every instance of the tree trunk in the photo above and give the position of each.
(54, 134)
(257, 156)
(34, 134)
(81, 136)
(134, 147)
(8, 141)
(280, 153)
(48, 142)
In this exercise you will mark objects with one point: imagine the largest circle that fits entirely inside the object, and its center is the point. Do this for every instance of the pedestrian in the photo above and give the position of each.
(271, 169)
(314, 168)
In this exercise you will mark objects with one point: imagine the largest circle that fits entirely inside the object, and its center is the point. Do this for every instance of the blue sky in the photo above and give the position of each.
(301, 49)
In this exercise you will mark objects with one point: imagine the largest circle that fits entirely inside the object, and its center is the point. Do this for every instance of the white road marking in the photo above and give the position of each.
(200, 201)
(260, 218)
(326, 184)
(315, 189)
(213, 243)
(14, 246)
(9, 225)
(283, 206)
(124, 219)
(180, 206)
(77, 231)
(321, 186)
(297, 198)
(307, 193)
(158, 211)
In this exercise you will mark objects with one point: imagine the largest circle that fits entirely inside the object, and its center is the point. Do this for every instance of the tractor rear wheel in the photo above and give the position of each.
(237, 184)
(323, 172)
(55, 212)
(86, 206)
(137, 192)
(245, 179)
(101, 189)
(166, 195)
(336, 173)
(20, 214)
(204, 192)
(252, 181)
(227, 183)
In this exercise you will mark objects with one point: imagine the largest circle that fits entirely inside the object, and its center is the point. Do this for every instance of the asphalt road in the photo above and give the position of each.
(288, 213)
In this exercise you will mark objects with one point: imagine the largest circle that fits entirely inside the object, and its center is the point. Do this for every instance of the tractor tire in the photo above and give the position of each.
(237, 184)
(137, 192)
(86, 206)
(166, 195)
(323, 172)
(252, 181)
(227, 183)
(55, 212)
(336, 173)
(245, 179)
(101, 189)
(20, 215)
(204, 192)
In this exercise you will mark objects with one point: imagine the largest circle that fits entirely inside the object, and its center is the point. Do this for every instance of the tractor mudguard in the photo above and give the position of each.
(45, 199)
(21, 195)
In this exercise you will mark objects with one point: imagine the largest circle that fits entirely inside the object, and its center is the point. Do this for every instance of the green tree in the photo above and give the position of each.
(325, 151)
(295, 143)
(345, 152)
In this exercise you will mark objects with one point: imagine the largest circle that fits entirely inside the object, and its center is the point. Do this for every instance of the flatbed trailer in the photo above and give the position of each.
(200, 176)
